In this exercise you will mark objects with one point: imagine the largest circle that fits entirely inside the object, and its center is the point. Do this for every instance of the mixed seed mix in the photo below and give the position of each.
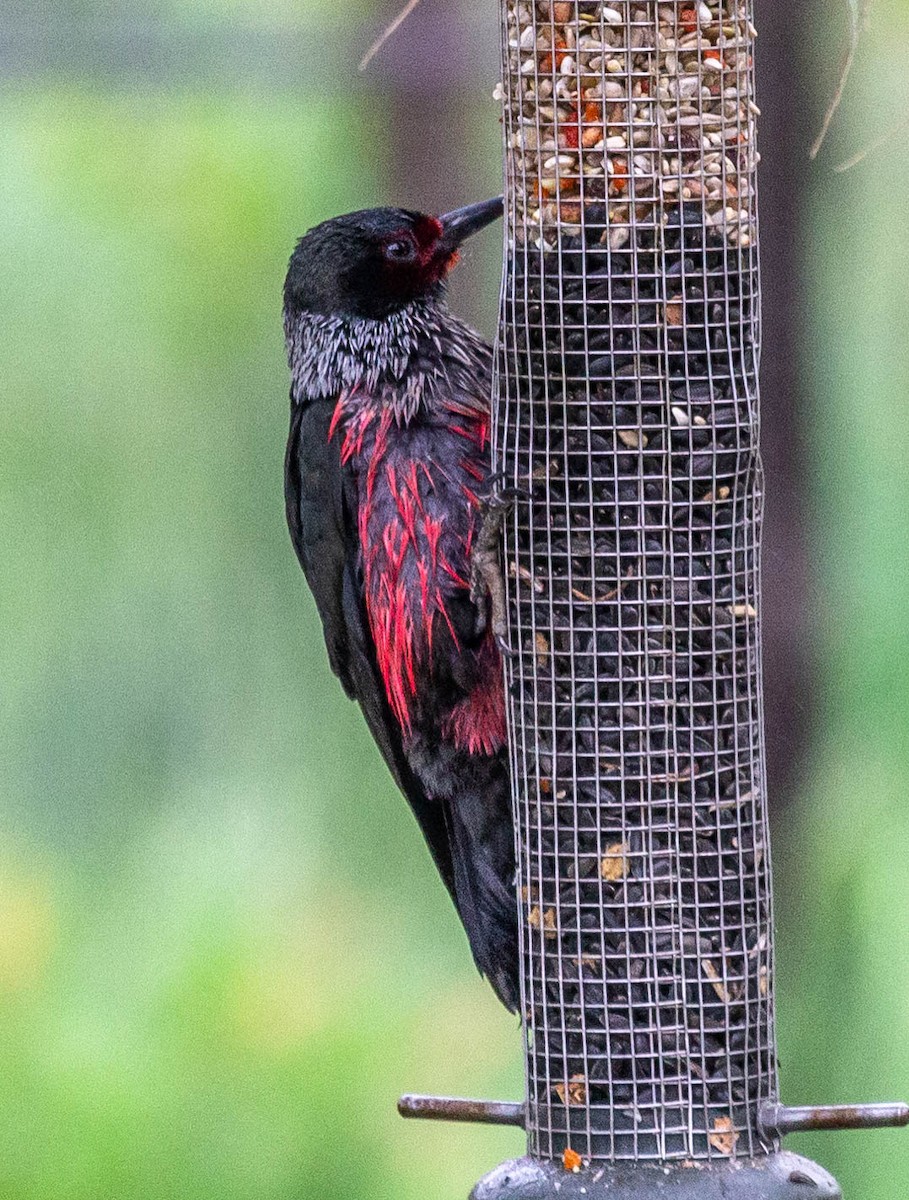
(633, 104)
(627, 413)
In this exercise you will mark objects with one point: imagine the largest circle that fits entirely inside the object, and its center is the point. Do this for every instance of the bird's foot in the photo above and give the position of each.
(485, 570)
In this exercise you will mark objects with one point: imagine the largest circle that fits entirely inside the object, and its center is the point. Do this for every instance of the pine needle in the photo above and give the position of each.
(387, 32)
(859, 11)
(848, 163)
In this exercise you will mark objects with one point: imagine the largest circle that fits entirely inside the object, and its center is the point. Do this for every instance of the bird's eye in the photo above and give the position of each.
(401, 251)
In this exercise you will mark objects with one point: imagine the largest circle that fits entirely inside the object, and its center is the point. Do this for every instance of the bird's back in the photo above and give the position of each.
(387, 461)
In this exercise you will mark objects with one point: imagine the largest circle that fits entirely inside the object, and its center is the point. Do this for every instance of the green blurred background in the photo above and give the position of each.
(223, 949)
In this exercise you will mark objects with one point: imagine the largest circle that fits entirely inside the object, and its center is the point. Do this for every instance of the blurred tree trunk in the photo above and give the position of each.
(785, 135)
(438, 71)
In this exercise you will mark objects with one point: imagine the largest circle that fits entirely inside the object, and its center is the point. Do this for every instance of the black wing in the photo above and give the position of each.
(322, 521)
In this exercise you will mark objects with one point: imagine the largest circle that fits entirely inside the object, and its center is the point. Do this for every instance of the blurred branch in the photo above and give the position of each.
(892, 132)
(386, 33)
(858, 17)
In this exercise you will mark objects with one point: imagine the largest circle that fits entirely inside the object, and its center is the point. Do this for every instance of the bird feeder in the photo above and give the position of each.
(626, 416)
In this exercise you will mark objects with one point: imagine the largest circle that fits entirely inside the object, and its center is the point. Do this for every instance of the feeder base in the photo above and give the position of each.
(781, 1176)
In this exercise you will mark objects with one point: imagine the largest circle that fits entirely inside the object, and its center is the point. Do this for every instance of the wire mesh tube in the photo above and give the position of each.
(627, 407)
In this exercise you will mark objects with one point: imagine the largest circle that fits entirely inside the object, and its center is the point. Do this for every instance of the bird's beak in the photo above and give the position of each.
(460, 224)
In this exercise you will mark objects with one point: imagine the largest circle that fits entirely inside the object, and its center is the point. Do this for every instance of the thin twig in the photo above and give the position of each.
(386, 33)
(858, 16)
(848, 163)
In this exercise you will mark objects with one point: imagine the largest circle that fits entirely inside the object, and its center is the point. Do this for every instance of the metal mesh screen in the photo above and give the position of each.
(627, 404)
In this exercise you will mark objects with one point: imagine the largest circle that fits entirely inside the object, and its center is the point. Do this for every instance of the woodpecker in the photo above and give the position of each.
(386, 469)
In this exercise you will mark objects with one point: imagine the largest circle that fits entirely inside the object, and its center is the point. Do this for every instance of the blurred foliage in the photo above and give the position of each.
(842, 855)
(223, 949)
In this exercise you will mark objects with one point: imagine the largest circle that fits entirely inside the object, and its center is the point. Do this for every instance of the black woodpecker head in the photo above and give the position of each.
(374, 262)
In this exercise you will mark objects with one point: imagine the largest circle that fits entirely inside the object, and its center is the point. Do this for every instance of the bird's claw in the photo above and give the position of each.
(485, 572)
(505, 647)
(503, 499)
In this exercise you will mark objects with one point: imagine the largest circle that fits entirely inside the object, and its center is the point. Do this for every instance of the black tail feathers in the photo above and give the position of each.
(482, 852)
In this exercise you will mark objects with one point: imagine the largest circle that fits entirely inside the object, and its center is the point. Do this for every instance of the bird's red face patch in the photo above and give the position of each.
(414, 259)
(427, 231)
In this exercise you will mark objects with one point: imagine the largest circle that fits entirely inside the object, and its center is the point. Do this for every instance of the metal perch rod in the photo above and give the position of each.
(451, 1108)
(779, 1119)
(776, 1119)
